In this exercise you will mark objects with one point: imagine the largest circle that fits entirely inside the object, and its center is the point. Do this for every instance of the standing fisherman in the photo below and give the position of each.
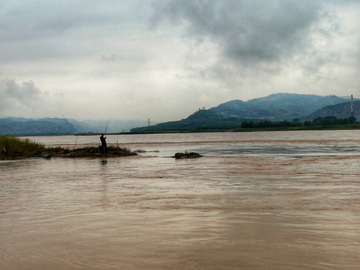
(103, 146)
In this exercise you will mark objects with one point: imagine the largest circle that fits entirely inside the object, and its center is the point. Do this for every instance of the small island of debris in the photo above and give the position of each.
(187, 155)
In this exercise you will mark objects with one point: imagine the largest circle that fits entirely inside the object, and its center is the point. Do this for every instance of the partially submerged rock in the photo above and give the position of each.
(187, 155)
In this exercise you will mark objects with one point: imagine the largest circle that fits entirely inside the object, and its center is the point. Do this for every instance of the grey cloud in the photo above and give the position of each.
(23, 20)
(13, 94)
(246, 31)
(49, 30)
(214, 50)
(114, 58)
(29, 21)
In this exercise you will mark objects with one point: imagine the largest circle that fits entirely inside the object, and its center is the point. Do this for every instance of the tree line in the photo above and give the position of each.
(319, 121)
(236, 124)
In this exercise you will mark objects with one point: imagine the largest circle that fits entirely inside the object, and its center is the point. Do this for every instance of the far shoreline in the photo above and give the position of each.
(306, 128)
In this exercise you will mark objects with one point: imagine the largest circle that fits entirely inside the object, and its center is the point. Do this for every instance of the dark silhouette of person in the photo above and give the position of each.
(103, 146)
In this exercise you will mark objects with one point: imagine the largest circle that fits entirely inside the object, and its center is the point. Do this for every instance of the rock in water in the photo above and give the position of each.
(187, 155)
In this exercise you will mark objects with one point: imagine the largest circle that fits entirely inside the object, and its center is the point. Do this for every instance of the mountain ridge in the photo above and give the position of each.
(20, 126)
(280, 106)
(225, 116)
(275, 107)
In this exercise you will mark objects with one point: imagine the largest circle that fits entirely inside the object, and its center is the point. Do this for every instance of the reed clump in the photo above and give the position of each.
(16, 148)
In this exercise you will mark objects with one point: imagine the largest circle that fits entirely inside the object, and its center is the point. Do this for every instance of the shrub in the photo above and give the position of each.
(12, 147)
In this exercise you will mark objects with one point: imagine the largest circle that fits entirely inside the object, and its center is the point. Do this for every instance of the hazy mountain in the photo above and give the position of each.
(282, 106)
(342, 110)
(48, 126)
(61, 126)
(111, 126)
(241, 109)
(229, 115)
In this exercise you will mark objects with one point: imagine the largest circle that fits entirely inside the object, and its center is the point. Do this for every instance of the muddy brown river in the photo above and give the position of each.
(260, 200)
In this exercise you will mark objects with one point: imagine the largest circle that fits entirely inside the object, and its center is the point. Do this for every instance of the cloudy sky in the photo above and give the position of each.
(140, 59)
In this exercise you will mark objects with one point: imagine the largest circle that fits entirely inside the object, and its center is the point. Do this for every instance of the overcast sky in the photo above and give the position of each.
(164, 59)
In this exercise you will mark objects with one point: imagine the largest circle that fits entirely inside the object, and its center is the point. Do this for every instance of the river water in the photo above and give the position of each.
(259, 200)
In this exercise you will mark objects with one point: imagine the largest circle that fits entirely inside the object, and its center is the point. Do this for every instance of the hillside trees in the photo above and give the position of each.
(319, 121)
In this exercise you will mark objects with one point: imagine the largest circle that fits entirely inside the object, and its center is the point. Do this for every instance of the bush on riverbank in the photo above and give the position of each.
(16, 148)
(319, 122)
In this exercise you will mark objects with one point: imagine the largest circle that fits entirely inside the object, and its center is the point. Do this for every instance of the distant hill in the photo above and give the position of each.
(342, 110)
(61, 126)
(45, 126)
(241, 109)
(98, 126)
(276, 107)
(202, 120)
(282, 106)
(226, 116)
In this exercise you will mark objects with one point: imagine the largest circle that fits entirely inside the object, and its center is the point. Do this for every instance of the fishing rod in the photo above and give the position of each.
(105, 130)
(75, 142)
(106, 126)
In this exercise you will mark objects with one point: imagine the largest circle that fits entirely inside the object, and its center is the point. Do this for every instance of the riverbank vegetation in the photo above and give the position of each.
(317, 122)
(17, 148)
(236, 124)
(90, 151)
(328, 122)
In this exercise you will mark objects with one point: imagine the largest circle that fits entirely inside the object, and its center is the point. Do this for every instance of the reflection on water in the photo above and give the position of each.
(250, 203)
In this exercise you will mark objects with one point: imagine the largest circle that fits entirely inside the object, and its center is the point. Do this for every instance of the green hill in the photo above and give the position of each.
(229, 115)
(282, 106)
(342, 110)
(202, 120)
